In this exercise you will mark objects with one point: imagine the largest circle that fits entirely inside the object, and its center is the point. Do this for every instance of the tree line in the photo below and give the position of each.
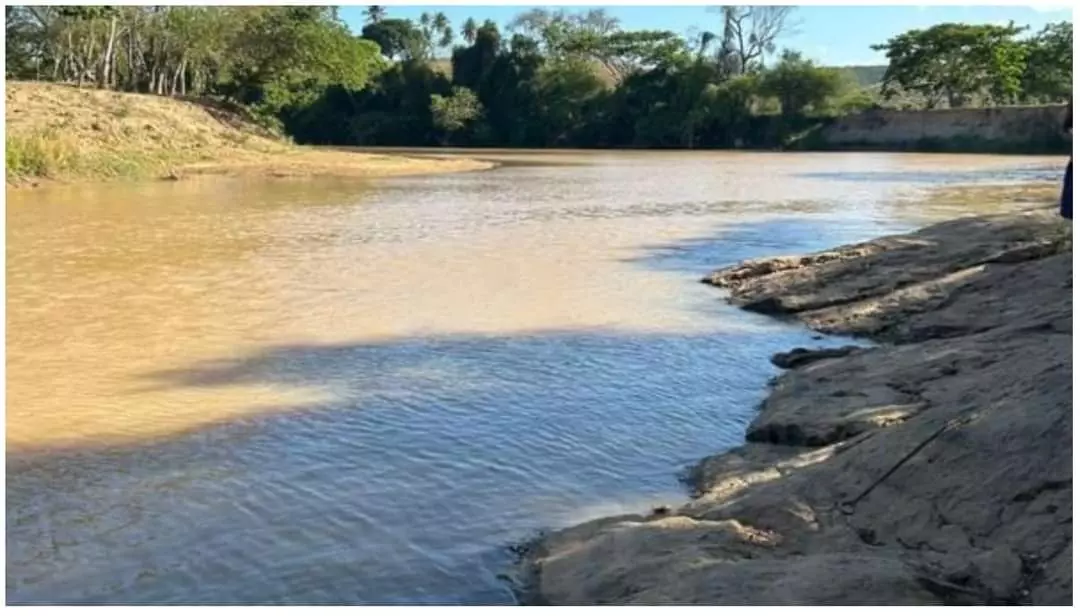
(548, 78)
(957, 65)
(265, 57)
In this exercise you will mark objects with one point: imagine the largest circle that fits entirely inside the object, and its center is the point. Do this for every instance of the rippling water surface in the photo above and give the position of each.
(230, 391)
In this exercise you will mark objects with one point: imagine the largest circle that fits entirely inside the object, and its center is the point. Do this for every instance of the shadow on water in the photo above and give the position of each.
(789, 235)
(424, 458)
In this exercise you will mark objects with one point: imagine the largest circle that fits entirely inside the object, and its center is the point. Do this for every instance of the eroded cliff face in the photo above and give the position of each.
(935, 468)
(994, 129)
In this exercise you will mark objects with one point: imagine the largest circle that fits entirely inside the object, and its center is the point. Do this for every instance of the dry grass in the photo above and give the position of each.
(59, 132)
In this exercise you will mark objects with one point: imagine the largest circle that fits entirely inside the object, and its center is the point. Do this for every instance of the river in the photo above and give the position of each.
(318, 391)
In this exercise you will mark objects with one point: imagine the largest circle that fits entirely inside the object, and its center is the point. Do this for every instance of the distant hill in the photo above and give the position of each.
(867, 75)
(442, 65)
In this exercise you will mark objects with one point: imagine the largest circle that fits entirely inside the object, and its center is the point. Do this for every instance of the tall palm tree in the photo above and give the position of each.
(375, 14)
(441, 24)
(468, 30)
(704, 41)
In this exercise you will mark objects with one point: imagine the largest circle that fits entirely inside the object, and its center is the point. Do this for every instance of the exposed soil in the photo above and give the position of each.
(58, 132)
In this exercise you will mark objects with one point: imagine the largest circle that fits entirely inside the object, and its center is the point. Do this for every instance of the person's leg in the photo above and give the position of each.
(1066, 192)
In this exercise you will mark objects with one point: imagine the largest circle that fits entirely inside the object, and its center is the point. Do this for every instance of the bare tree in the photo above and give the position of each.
(750, 34)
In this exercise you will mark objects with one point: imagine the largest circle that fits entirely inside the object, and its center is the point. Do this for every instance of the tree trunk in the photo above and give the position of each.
(87, 58)
(106, 60)
(955, 100)
(175, 87)
(114, 73)
(70, 55)
(133, 78)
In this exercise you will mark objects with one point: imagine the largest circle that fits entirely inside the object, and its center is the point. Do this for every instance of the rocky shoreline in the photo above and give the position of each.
(934, 468)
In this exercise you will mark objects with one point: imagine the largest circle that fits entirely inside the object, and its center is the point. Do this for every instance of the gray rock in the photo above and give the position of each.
(936, 468)
(800, 357)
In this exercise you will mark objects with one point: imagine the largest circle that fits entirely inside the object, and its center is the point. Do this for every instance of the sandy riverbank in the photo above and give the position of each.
(59, 133)
(933, 468)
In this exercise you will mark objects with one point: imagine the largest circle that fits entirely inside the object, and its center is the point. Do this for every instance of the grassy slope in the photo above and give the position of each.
(59, 132)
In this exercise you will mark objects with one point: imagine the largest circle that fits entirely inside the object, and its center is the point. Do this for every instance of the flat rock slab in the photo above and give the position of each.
(873, 288)
(936, 468)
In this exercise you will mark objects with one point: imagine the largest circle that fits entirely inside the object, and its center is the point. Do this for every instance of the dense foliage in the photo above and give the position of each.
(270, 58)
(957, 65)
(577, 79)
(548, 78)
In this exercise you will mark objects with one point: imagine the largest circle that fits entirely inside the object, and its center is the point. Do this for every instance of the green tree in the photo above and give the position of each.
(732, 108)
(503, 76)
(1047, 76)
(468, 31)
(596, 36)
(451, 114)
(374, 14)
(565, 91)
(91, 55)
(955, 63)
(693, 96)
(560, 33)
(624, 52)
(798, 84)
(286, 58)
(472, 65)
(24, 44)
(398, 39)
(850, 96)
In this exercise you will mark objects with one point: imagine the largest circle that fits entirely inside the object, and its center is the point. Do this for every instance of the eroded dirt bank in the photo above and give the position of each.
(61, 133)
(935, 468)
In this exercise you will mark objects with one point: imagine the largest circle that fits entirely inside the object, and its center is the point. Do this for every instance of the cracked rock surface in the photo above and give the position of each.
(934, 469)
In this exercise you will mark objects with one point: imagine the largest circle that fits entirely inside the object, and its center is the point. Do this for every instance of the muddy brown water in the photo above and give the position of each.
(317, 391)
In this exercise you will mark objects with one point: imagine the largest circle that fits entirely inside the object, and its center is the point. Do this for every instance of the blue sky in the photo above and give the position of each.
(833, 35)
